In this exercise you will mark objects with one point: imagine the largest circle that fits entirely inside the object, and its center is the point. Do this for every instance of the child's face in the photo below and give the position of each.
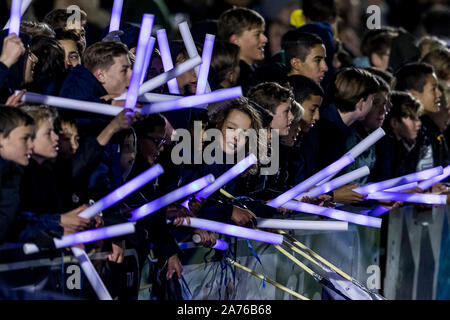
(314, 66)
(128, 154)
(407, 128)
(45, 142)
(72, 57)
(232, 131)
(116, 78)
(431, 95)
(30, 63)
(375, 118)
(152, 145)
(294, 130)
(68, 139)
(311, 115)
(187, 82)
(251, 43)
(18, 146)
(367, 105)
(282, 118)
(156, 68)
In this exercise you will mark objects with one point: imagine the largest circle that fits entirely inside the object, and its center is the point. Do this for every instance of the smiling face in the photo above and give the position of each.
(116, 78)
(430, 95)
(152, 144)
(232, 131)
(18, 146)
(45, 142)
(314, 66)
(282, 118)
(311, 115)
(251, 43)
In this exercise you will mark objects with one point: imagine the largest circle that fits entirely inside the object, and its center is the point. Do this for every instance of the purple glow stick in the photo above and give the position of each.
(192, 101)
(424, 185)
(220, 244)
(413, 177)
(116, 14)
(166, 58)
(15, 17)
(138, 68)
(336, 183)
(24, 7)
(311, 181)
(234, 231)
(122, 191)
(403, 187)
(333, 213)
(92, 275)
(156, 97)
(425, 198)
(378, 211)
(171, 197)
(302, 225)
(86, 237)
(206, 62)
(148, 55)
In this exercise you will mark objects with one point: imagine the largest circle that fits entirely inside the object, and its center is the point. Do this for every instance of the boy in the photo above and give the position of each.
(376, 48)
(59, 18)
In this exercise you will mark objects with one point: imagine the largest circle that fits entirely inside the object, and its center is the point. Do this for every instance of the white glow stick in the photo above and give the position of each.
(25, 5)
(138, 67)
(116, 15)
(166, 58)
(220, 244)
(148, 56)
(206, 63)
(15, 17)
(336, 183)
(425, 198)
(156, 97)
(302, 225)
(234, 231)
(92, 275)
(403, 187)
(424, 185)
(190, 46)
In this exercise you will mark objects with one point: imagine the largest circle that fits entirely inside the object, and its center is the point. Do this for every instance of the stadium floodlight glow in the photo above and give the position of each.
(403, 187)
(171, 197)
(148, 56)
(301, 224)
(208, 47)
(386, 184)
(333, 213)
(86, 237)
(138, 67)
(15, 17)
(234, 231)
(123, 191)
(116, 15)
(311, 181)
(425, 198)
(166, 58)
(192, 101)
(424, 185)
(24, 7)
(336, 183)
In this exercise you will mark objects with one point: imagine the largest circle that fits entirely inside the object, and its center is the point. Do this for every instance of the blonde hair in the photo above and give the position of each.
(40, 114)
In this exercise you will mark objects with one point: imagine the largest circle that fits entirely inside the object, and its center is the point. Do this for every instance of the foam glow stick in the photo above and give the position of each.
(302, 225)
(403, 187)
(92, 275)
(148, 55)
(192, 101)
(190, 47)
(15, 17)
(171, 197)
(234, 231)
(162, 78)
(413, 177)
(425, 198)
(86, 237)
(122, 191)
(333, 213)
(206, 63)
(311, 181)
(138, 67)
(72, 104)
(156, 97)
(336, 183)
(424, 185)
(378, 211)
(166, 58)
(365, 144)
(24, 7)
(116, 14)
(220, 244)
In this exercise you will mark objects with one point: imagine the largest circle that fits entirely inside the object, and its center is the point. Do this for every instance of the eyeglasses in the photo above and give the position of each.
(158, 142)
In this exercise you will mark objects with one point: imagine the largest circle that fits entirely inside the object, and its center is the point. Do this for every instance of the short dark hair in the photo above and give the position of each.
(319, 10)
(440, 60)
(58, 18)
(11, 118)
(149, 124)
(237, 20)
(404, 105)
(34, 28)
(225, 58)
(304, 87)
(298, 45)
(412, 76)
(61, 34)
(270, 95)
(51, 57)
(385, 75)
(101, 55)
(377, 41)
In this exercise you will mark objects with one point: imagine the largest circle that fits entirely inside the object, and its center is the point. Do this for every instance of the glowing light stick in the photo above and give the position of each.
(156, 97)
(403, 187)
(220, 244)
(116, 14)
(138, 67)
(311, 181)
(24, 7)
(333, 213)
(302, 225)
(166, 58)
(171, 197)
(336, 183)
(234, 231)
(424, 198)
(206, 63)
(122, 191)
(413, 177)
(424, 185)
(192, 101)
(148, 55)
